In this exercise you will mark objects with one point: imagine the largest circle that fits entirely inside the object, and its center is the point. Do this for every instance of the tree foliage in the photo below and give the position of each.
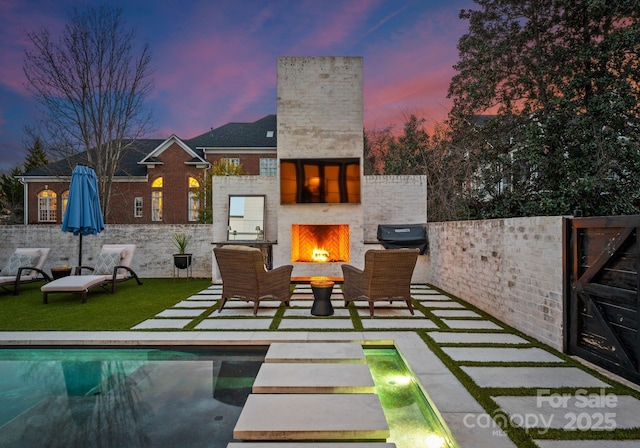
(407, 154)
(11, 198)
(222, 167)
(563, 78)
(12, 191)
(36, 157)
(91, 85)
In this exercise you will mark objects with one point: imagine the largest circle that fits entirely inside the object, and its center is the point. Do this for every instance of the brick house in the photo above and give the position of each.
(157, 179)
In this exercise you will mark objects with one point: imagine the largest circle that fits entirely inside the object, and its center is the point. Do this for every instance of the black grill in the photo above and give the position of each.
(408, 236)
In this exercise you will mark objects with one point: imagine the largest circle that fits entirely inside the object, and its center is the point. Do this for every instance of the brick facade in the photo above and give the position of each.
(175, 173)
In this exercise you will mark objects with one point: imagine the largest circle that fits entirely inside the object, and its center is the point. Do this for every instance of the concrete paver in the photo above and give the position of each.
(471, 324)
(304, 378)
(315, 352)
(442, 337)
(500, 354)
(579, 411)
(162, 324)
(312, 417)
(430, 303)
(532, 377)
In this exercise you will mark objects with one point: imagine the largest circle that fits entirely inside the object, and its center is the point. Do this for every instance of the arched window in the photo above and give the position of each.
(47, 206)
(194, 200)
(156, 199)
(65, 201)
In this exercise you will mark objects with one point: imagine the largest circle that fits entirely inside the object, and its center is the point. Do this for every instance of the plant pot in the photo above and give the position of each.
(182, 261)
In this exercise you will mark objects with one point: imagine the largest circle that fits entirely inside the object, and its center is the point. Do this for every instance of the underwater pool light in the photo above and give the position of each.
(434, 441)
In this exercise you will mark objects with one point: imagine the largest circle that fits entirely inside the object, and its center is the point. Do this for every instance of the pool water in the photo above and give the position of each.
(412, 421)
(168, 397)
(123, 398)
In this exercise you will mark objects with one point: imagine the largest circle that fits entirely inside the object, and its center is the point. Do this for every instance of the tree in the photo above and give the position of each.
(12, 198)
(222, 167)
(91, 86)
(563, 77)
(376, 145)
(407, 154)
(36, 156)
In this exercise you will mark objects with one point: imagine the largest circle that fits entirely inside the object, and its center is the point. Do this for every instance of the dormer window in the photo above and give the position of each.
(269, 134)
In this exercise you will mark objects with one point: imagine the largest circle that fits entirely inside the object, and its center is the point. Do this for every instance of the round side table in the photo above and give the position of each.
(322, 298)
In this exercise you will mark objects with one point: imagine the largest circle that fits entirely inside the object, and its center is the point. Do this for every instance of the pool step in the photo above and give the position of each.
(320, 392)
(313, 378)
(329, 352)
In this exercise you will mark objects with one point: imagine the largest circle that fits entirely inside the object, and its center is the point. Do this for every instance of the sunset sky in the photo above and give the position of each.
(214, 61)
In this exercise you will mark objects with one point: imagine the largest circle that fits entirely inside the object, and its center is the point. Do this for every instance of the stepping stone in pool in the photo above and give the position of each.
(313, 378)
(341, 352)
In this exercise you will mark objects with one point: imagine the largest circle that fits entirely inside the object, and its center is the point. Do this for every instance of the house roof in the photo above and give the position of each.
(143, 152)
(259, 134)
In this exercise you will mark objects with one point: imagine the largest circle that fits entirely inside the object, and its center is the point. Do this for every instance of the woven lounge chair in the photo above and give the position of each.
(245, 277)
(24, 266)
(112, 266)
(386, 276)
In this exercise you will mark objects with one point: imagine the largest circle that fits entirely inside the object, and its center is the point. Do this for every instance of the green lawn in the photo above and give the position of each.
(130, 305)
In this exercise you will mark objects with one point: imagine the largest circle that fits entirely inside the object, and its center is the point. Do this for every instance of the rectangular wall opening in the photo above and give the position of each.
(320, 243)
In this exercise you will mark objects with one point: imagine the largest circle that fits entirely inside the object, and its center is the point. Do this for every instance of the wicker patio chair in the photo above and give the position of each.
(386, 276)
(245, 277)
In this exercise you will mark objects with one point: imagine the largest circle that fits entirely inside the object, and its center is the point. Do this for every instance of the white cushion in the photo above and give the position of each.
(74, 283)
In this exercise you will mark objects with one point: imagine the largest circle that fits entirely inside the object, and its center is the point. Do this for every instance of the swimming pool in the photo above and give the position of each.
(168, 397)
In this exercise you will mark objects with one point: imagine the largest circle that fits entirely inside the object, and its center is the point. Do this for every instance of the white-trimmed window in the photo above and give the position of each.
(194, 201)
(137, 207)
(156, 199)
(268, 167)
(231, 161)
(65, 201)
(47, 206)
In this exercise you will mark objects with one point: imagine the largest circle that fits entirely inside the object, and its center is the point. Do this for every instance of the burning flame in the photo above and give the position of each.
(320, 255)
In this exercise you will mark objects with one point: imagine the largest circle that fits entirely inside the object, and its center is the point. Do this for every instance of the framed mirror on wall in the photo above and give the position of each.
(246, 218)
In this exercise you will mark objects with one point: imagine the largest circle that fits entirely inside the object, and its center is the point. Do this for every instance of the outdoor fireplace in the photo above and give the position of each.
(320, 243)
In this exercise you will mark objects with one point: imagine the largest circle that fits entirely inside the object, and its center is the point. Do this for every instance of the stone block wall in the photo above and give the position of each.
(509, 268)
(393, 200)
(153, 257)
(319, 107)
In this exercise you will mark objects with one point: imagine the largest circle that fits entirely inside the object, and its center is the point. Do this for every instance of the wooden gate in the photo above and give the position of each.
(601, 292)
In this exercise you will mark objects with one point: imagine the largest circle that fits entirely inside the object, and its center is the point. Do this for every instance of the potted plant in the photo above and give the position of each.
(181, 260)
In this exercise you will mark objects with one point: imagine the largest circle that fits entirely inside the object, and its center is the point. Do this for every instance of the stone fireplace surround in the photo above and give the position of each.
(386, 199)
(319, 114)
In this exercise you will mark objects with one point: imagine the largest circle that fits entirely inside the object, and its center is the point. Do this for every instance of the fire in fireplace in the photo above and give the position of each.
(320, 243)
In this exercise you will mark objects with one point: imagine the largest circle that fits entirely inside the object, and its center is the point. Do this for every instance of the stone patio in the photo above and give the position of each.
(447, 352)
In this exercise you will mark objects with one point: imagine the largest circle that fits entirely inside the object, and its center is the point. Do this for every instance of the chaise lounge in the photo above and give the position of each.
(112, 266)
(24, 266)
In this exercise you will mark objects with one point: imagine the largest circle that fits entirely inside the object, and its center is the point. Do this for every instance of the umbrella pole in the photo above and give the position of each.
(80, 252)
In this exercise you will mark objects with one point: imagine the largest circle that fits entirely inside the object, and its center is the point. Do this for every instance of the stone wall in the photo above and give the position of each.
(393, 200)
(509, 268)
(153, 257)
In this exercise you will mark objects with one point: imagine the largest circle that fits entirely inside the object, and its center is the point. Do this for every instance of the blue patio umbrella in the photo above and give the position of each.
(83, 215)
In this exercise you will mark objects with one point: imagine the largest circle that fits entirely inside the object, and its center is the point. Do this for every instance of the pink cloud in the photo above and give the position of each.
(412, 73)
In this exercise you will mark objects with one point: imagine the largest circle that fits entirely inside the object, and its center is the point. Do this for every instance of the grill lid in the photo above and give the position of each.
(408, 236)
